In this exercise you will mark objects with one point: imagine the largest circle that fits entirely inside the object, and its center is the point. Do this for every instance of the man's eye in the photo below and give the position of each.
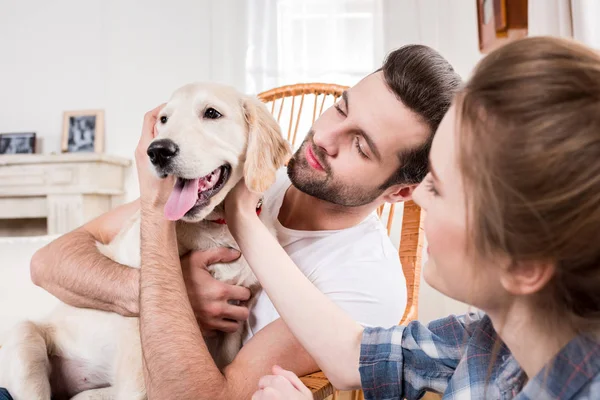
(211, 113)
(359, 148)
(339, 109)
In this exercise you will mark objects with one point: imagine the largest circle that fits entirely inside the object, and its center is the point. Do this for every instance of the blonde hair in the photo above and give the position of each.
(529, 153)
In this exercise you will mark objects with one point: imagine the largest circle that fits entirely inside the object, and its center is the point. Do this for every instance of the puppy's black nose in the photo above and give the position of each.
(162, 151)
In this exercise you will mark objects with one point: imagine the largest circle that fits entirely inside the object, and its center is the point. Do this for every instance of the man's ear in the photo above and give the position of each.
(267, 150)
(399, 193)
(526, 277)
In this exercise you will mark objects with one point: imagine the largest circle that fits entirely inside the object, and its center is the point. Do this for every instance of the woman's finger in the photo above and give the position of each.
(293, 378)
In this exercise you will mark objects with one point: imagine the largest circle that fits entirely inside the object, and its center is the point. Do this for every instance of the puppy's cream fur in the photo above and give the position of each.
(92, 354)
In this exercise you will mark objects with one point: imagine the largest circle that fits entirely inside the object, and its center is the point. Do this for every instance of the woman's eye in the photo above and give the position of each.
(430, 186)
(211, 113)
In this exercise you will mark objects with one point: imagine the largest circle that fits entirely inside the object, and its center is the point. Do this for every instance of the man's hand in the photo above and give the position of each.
(282, 385)
(214, 302)
(154, 192)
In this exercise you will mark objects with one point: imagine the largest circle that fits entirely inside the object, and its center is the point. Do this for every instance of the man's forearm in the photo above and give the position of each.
(73, 269)
(177, 362)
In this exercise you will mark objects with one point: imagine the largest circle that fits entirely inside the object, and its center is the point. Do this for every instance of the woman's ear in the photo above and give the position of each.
(526, 277)
(267, 150)
(399, 193)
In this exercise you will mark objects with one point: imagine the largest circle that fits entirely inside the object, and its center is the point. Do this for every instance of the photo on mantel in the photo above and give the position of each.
(17, 143)
(83, 131)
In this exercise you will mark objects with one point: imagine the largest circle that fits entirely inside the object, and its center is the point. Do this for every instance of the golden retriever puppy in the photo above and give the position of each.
(210, 137)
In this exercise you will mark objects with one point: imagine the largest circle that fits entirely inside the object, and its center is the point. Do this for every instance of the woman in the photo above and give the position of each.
(512, 206)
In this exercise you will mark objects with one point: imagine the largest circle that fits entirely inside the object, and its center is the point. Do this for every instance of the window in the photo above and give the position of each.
(294, 41)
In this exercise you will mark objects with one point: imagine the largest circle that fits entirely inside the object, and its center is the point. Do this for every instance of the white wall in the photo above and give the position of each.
(449, 26)
(125, 57)
(586, 19)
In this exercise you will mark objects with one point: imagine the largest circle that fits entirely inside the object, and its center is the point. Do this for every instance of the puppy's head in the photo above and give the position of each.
(209, 136)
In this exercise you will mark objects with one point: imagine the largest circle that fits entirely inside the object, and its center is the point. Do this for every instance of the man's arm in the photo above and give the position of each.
(73, 269)
(177, 362)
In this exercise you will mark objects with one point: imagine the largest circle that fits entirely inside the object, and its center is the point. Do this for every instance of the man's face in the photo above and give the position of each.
(352, 149)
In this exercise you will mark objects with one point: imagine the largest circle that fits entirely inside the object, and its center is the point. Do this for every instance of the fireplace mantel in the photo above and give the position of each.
(66, 190)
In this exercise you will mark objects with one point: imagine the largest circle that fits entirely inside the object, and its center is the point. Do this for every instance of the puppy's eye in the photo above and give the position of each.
(211, 113)
(163, 119)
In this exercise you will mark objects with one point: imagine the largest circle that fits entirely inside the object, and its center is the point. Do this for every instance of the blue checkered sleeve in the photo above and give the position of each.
(406, 361)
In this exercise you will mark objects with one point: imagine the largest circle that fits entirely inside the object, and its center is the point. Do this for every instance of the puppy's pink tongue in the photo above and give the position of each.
(182, 199)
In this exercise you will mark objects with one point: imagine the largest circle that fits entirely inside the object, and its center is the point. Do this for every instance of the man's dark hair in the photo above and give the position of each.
(425, 83)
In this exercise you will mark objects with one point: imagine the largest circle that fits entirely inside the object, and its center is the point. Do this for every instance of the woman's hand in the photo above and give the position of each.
(240, 202)
(282, 385)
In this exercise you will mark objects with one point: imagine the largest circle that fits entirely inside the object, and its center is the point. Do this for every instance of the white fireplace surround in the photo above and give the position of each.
(66, 189)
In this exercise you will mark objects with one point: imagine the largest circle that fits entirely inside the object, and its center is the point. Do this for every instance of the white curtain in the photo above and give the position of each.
(550, 17)
(293, 41)
(586, 21)
(578, 19)
(262, 69)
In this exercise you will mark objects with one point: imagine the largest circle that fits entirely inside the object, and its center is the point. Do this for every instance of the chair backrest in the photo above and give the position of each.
(296, 107)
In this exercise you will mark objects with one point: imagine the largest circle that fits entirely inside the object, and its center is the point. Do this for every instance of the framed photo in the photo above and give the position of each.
(500, 22)
(83, 131)
(17, 143)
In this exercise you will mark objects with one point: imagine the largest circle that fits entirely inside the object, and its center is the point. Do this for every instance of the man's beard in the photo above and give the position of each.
(323, 185)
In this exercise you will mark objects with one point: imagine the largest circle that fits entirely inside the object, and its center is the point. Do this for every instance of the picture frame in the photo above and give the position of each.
(83, 131)
(500, 22)
(17, 143)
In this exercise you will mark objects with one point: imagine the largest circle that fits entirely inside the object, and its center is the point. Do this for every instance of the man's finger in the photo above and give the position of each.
(237, 293)
(148, 131)
(224, 325)
(207, 332)
(236, 313)
(150, 116)
(225, 255)
(212, 256)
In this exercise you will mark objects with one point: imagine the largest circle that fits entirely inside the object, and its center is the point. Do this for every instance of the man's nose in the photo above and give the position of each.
(327, 140)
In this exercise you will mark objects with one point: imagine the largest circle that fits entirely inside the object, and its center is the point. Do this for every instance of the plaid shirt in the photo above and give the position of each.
(454, 356)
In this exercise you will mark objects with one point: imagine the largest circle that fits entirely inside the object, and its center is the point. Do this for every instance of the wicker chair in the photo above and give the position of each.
(288, 104)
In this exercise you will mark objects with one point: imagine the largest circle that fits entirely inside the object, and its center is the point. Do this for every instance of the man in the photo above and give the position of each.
(371, 147)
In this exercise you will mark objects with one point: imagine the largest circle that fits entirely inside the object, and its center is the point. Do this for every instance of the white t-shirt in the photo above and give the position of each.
(357, 268)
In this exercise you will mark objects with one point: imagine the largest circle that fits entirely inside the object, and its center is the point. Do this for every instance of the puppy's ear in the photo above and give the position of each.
(267, 150)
